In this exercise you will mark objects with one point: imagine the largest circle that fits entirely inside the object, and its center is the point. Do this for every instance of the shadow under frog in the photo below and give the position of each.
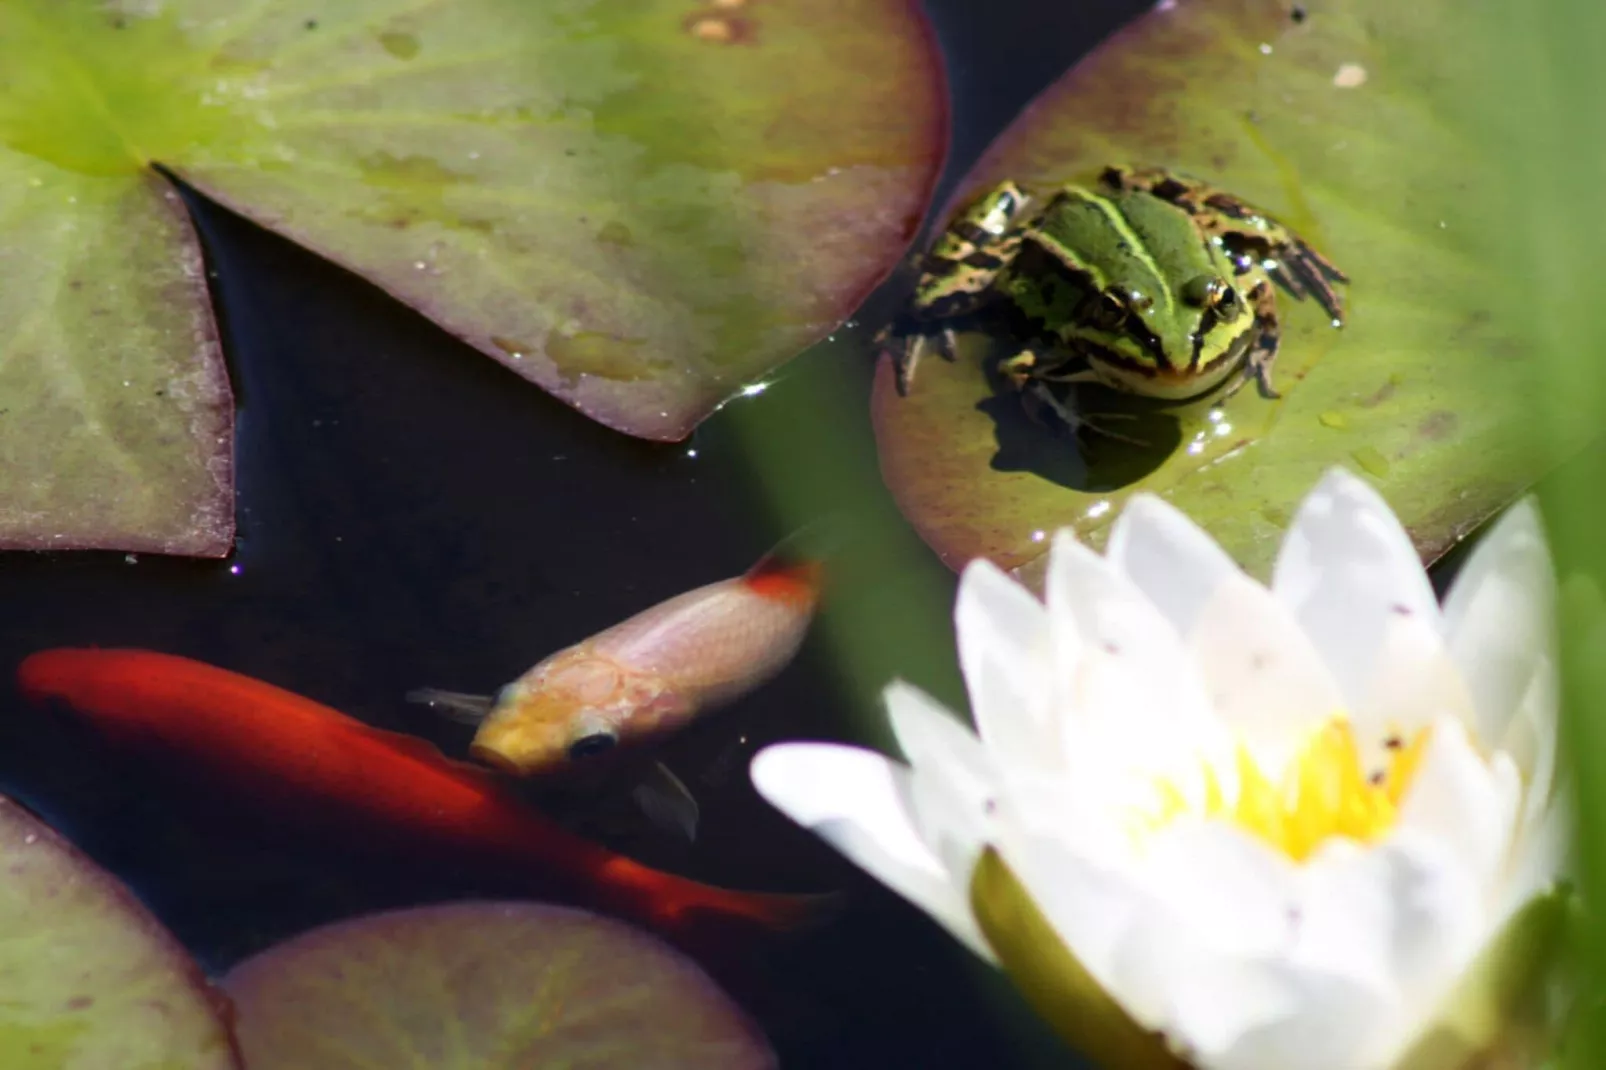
(1039, 443)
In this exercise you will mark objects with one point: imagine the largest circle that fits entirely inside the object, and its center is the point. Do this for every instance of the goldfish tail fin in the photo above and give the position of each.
(454, 705)
(774, 912)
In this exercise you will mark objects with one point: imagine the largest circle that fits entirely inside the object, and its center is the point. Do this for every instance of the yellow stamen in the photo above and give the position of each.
(1323, 792)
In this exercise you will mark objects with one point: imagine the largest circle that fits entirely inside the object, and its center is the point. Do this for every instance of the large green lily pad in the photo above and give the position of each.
(1358, 123)
(640, 205)
(88, 979)
(487, 986)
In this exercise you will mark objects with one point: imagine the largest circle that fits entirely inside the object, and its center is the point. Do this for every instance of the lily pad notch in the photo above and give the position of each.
(639, 214)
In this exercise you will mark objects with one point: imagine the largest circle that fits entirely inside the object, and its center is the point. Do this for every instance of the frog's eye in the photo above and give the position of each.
(1204, 291)
(1108, 310)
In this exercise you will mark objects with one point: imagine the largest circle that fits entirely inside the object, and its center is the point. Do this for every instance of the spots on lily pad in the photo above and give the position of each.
(1350, 76)
(719, 30)
(401, 45)
(1372, 460)
(614, 232)
(716, 25)
(1381, 394)
(603, 355)
(1439, 425)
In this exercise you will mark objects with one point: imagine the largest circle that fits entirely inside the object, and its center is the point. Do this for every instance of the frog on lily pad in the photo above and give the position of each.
(1148, 282)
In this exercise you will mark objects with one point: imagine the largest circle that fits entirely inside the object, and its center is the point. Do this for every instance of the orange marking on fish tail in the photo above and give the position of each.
(794, 583)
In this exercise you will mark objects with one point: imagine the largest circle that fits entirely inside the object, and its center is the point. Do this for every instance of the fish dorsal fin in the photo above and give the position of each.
(457, 706)
(794, 569)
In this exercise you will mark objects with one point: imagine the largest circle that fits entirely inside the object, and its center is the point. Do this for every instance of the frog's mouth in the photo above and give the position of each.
(1169, 383)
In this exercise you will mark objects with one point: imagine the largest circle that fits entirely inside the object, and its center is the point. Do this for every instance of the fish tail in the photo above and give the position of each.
(679, 904)
(777, 912)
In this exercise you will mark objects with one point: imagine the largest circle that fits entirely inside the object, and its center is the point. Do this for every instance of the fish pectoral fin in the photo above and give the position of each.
(455, 705)
(667, 802)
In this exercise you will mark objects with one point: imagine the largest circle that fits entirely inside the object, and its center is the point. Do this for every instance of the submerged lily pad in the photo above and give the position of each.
(492, 986)
(87, 977)
(1358, 124)
(640, 205)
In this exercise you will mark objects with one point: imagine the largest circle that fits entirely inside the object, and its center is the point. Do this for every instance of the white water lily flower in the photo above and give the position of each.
(1282, 829)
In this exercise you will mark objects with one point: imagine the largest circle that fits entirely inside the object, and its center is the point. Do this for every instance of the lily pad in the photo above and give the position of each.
(492, 986)
(1358, 124)
(640, 205)
(88, 978)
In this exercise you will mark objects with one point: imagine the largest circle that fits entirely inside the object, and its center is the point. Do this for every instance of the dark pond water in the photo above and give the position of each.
(411, 514)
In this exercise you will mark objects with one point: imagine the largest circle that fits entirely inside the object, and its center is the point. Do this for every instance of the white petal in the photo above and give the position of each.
(1004, 653)
(1345, 567)
(1082, 813)
(1230, 1013)
(955, 783)
(1320, 1022)
(1498, 615)
(1456, 798)
(1131, 708)
(1344, 918)
(1169, 557)
(1091, 908)
(856, 800)
(1264, 678)
(1414, 683)
(1539, 861)
(1403, 917)
(1530, 738)
(1234, 890)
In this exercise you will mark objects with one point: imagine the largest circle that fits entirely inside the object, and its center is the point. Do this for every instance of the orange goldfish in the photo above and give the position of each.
(646, 676)
(293, 753)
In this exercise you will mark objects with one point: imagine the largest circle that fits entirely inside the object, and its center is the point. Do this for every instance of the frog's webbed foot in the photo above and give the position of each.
(1263, 351)
(1304, 272)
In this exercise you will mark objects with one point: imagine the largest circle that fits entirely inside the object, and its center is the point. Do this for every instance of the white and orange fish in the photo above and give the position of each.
(644, 678)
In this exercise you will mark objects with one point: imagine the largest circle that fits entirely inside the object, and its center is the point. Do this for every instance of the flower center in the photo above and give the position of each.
(1324, 791)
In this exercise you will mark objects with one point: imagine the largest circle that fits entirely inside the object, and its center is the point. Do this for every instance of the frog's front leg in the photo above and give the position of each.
(911, 344)
(1263, 350)
(957, 276)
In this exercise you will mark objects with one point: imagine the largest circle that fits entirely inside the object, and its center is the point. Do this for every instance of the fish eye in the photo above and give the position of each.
(592, 745)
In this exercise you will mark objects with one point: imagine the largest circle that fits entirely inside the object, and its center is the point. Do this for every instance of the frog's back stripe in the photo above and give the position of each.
(1105, 233)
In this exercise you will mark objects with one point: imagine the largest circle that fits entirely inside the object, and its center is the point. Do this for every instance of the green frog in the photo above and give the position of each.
(1150, 283)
